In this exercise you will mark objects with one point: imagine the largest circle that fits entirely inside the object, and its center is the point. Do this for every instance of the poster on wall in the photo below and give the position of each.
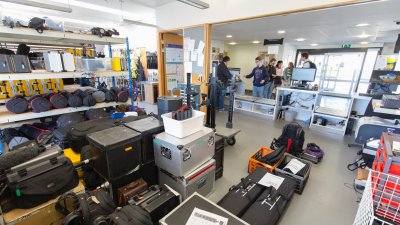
(173, 54)
(172, 81)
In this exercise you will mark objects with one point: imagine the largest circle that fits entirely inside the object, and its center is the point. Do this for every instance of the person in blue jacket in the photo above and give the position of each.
(261, 76)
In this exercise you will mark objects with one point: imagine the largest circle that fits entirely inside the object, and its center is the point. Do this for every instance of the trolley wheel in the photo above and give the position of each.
(231, 141)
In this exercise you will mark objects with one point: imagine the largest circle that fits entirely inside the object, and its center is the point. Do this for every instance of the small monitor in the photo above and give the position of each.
(304, 74)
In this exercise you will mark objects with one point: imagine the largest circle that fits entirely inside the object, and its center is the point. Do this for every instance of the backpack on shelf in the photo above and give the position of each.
(293, 138)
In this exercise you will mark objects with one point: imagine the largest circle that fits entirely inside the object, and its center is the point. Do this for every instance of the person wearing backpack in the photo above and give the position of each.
(307, 64)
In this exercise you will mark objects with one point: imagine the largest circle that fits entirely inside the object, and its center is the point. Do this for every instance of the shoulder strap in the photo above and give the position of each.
(61, 204)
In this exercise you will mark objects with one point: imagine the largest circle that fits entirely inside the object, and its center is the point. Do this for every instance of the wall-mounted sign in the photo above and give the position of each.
(346, 45)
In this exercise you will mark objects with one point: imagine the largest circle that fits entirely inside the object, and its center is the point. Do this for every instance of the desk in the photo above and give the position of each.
(377, 105)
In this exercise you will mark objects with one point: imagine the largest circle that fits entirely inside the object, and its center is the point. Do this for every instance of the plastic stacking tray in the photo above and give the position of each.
(300, 181)
(254, 163)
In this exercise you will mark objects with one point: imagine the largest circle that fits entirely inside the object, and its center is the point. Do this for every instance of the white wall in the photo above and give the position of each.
(177, 14)
(242, 56)
(288, 54)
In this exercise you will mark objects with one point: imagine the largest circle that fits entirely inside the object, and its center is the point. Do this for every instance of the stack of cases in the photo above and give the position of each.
(219, 156)
(186, 164)
(116, 156)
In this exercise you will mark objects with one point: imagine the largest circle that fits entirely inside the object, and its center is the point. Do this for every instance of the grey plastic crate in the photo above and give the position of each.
(301, 181)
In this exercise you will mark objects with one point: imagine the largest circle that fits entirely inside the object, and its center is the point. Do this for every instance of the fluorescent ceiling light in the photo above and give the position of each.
(314, 44)
(228, 36)
(196, 3)
(364, 42)
(232, 43)
(281, 31)
(363, 35)
(135, 22)
(256, 42)
(40, 5)
(300, 39)
(362, 25)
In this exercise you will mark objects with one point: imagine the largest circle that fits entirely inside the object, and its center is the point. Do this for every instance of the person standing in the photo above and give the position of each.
(261, 76)
(278, 76)
(307, 64)
(287, 73)
(272, 74)
(223, 75)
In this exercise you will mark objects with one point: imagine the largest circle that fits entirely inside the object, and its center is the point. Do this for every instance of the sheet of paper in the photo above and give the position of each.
(202, 217)
(193, 56)
(170, 69)
(191, 43)
(200, 60)
(188, 67)
(295, 166)
(273, 49)
(186, 43)
(186, 55)
(269, 180)
(200, 48)
(396, 146)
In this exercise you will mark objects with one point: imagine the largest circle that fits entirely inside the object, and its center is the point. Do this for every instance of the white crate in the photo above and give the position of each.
(370, 205)
(183, 128)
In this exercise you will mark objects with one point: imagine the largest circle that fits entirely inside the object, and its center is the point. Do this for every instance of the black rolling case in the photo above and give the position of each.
(41, 179)
(77, 135)
(161, 204)
(271, 204)
(166, 104)
(116, 151)
(241, 196)
(147, 127)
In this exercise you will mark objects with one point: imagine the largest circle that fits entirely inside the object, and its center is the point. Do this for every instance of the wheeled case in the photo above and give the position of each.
(6, 65)
(201, 180)
(21, 64)
(147, 127)
(68, 62)
(180, 156)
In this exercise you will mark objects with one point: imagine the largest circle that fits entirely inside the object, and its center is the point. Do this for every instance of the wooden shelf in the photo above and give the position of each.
(49, 37)
(8, 117)
(41, 74)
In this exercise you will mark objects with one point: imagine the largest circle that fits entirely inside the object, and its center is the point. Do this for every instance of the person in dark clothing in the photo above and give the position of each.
(270, 84)
(261, 76)
(223, 76)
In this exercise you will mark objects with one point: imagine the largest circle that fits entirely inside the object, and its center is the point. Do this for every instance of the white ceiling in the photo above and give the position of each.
(324, 27)
(152, 3)
(87, 13)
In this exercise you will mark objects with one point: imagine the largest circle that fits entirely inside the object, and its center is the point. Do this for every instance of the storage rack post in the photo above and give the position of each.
(128, 57)
(110, 55)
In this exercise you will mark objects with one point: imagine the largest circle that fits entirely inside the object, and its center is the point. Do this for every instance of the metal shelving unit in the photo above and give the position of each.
(57, 38)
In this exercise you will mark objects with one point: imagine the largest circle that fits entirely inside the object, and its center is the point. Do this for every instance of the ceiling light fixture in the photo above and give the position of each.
(196, 3)
(40, 5)
(363, 35)
(229, 36)
(364, 42)
(300, 39)
(281, 31)
(362, 25)
(256, 42)
(232, 43)
(314, 44)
